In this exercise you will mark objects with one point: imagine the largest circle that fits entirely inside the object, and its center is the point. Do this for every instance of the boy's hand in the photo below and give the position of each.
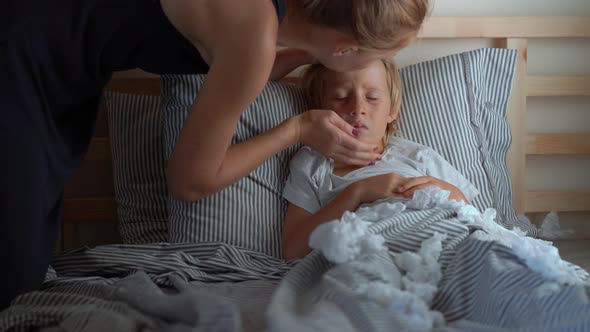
(328, 133)
(410, 186)
(376, 187)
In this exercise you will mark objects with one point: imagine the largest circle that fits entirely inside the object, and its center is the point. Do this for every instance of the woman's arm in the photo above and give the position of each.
(238, 38)
(240, 41)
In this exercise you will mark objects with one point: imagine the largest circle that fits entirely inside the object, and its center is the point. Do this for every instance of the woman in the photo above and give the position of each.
(56, 56)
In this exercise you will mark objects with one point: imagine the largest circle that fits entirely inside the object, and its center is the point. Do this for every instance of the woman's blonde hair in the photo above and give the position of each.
(375, 24)
(314, 85)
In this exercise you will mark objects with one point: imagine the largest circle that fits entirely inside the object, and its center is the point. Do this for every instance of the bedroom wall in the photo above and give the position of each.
(545, 115)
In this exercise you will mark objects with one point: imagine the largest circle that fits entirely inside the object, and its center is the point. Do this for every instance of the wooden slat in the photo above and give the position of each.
(506, 27)
(553, 144)
(516, 157)
(544, 201)
(135, 85)
(558, 86)
(92, 179)
(99, 149)
(70, 235)
(89, 209)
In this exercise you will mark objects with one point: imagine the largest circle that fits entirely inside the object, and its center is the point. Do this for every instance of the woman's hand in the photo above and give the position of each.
(328, 133)
(376, 187)
(409, 187)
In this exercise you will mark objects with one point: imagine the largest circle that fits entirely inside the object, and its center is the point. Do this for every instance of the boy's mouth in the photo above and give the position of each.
(359, 125)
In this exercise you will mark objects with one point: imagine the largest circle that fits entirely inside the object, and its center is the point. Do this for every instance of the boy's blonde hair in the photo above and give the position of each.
(314, 85)
(375, 24)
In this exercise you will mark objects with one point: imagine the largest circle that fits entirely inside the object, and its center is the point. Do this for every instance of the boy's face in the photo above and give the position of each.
(362, 98)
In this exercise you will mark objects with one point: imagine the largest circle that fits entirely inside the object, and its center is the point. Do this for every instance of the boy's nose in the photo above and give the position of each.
(357, 111)
(357, 107)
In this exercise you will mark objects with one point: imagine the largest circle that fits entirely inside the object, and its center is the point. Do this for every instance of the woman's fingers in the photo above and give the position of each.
(348, 149)
(346, 127)
(361, 154)
(330, 134)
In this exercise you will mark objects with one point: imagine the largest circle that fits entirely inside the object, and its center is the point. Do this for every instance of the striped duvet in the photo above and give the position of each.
(485, 286)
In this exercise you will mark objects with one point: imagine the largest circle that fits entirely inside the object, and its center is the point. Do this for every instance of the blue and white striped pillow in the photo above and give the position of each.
(138, 167)
(457, 105)
(250, 213)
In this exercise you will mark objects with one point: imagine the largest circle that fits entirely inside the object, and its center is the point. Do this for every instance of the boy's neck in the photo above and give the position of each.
(341, 169)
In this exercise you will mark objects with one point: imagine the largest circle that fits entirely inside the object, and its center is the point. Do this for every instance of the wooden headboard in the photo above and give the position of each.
(89, 196)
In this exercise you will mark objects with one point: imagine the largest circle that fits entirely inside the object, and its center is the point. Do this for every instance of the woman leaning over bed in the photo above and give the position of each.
(320, 189)
(55, 58)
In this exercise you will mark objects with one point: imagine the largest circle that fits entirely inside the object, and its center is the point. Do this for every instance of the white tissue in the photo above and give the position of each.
(422, 270)
(380, 211)
(345, 240)
(550, 228)
(411, 312)
(428, 198)
(540, 256)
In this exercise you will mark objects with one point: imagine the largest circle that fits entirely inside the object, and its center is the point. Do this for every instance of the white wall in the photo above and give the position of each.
(545, 115)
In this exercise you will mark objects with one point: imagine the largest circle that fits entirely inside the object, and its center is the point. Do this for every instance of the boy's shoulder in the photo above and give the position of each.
(308, 158)
(408, 148)
(309, 153)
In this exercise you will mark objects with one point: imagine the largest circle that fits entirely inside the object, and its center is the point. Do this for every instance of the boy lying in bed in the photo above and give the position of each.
(320, 190)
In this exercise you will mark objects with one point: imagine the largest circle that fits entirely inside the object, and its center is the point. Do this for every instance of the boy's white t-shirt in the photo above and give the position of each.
(312, 183)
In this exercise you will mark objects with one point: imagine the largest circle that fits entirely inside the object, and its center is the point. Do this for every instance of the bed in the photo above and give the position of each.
(201, 283)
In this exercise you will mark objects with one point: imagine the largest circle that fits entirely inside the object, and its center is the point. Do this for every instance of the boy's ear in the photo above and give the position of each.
(392, 115)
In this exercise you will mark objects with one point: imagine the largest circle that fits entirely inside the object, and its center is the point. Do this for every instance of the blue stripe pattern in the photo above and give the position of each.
(138, 167)
(457, 105)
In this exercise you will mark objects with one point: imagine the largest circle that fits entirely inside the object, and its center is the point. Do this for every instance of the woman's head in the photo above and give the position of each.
(348, 34)
(368, 98)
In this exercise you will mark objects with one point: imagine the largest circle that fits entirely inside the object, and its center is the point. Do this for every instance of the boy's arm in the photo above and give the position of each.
(421, 182)
(299, 224)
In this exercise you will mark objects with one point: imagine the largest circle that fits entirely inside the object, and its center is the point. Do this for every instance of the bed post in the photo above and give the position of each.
(516, 116)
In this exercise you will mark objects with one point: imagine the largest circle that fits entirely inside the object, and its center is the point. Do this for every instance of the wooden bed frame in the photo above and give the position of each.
(89, 196)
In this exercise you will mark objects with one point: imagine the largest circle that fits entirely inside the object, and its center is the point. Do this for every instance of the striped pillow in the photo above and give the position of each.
(457, 105)
(250, 213)
(138, 167)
